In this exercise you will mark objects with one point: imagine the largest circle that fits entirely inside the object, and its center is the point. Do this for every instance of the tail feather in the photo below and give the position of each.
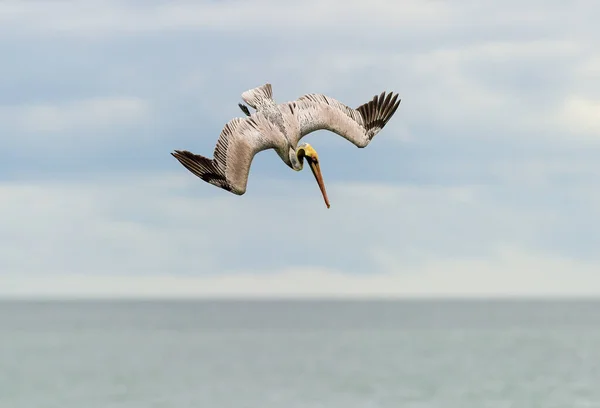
(256, 96)
(377, 112)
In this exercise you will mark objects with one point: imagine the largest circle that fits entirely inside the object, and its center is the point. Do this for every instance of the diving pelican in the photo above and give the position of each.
(280, 127)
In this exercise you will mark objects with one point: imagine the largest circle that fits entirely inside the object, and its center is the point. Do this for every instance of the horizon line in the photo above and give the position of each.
(300, 298)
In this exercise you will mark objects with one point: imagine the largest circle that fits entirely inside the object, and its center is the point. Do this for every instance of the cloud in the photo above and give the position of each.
(69, 122)
(76, 115)
(505, 73)
(582, 116)
(110, 17)
(489, 165)
(169, 231)
(510, 273)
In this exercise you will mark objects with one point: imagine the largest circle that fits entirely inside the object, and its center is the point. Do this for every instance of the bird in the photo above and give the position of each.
(280, 127)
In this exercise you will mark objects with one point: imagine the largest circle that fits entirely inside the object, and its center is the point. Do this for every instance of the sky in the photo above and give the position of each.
(484, 183)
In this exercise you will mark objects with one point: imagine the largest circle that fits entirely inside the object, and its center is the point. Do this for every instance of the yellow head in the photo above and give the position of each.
(306, 151)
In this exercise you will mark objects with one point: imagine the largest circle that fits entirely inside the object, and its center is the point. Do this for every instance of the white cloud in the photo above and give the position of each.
(483, 90)
(88, 121)
(112, 17)
(115, 235)
(465, 70)
(82, 228)
(371, 20)
(508, 273)
(76, 115)
(581, 116)
(472, 75)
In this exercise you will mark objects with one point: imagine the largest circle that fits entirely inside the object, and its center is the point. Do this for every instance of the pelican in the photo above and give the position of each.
(280, 127)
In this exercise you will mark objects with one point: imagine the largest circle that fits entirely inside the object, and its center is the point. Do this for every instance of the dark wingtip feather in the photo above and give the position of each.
(377, 112)
(203, 167)
(244, 109)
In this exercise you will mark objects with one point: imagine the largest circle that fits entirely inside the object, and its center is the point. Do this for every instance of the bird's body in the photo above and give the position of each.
(280, 127)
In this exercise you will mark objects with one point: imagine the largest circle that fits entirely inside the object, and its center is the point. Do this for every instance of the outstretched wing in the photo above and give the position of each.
(359, 126)
(240, 140)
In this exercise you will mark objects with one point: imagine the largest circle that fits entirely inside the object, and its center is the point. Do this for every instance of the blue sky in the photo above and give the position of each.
(485, 182)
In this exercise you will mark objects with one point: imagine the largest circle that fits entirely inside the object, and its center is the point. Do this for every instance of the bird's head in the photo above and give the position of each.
(306, 151)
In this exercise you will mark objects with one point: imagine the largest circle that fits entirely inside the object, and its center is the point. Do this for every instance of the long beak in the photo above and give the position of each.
(316, 170)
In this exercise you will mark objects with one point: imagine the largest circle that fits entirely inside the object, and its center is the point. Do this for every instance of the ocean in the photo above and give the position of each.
(291, 354)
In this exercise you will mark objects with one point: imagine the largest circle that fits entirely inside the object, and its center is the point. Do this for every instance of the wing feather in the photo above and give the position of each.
(359, 126)
(240, 140)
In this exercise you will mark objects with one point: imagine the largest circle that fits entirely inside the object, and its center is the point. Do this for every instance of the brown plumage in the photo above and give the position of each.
(280, 127)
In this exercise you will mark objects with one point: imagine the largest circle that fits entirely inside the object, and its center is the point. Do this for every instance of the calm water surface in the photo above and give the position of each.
(338, 354)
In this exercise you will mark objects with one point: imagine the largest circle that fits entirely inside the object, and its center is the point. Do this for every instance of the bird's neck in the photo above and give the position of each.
(296, 160)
